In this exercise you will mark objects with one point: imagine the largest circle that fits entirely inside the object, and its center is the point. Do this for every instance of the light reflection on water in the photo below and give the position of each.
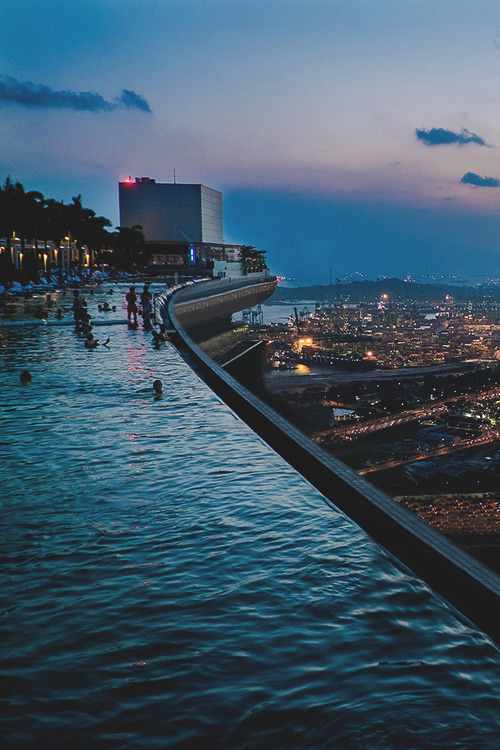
(170, 582)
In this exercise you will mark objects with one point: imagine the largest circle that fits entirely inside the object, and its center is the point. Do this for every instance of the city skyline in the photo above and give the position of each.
(361, 136)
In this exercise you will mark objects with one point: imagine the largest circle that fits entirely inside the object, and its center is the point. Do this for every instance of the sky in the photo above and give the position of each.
(347, 136)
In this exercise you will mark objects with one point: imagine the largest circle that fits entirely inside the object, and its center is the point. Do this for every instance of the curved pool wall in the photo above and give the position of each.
(462, 580)
(221, 298)
(168, 581)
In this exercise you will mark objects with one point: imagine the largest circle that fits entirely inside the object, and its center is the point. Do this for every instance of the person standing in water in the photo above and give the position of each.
(79, 310)
(131, 298)
(146, 299)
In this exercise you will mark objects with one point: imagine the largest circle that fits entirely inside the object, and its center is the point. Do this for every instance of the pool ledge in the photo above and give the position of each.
(466, 584)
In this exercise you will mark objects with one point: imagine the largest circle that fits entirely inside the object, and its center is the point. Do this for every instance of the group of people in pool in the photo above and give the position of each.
(83, 325)
(146, 306)
(25, 378)
(83, 322)
(106, 307)
(146, 300)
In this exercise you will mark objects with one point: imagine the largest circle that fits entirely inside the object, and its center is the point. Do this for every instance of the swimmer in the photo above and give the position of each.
(161, 335)
(25, 377)
(158, 387)
(59, 313)
(90, 342)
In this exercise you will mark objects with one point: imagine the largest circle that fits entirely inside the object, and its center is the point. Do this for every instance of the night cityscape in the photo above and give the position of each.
(406, 393)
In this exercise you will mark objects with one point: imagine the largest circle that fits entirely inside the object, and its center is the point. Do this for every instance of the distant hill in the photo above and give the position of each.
(370, 291)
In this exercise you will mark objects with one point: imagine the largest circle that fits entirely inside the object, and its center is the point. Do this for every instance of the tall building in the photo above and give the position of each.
(172, 212)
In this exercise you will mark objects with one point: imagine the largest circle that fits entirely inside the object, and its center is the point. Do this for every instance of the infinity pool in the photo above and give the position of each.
(169, 582)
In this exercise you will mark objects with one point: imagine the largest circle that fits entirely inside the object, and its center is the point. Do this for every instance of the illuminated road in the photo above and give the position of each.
(488, 436)
(352, 431)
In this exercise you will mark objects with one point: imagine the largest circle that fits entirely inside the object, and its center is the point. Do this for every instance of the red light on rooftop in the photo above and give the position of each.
(129, 179)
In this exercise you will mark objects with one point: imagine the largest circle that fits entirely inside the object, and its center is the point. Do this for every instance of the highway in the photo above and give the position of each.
(359, 429)
(488, 436)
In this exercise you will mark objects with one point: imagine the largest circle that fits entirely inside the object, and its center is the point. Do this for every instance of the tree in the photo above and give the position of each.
(129, 246)
(252, 260)
(8, 209)
(20, 215)
(32, 206)
(78, 219)
(55, 227)
(31, 218)
(96, 237)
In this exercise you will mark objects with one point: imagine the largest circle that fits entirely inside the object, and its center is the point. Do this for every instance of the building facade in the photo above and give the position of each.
(172, 212)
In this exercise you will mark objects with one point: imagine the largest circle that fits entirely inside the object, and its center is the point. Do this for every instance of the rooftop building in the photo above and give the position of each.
(171, 212)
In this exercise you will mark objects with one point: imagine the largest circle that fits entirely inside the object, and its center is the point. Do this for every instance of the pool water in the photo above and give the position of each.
(169, 582)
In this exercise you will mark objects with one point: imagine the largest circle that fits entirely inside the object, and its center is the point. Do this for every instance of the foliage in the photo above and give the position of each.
(129, 247)
(253, 260)
(31, 218)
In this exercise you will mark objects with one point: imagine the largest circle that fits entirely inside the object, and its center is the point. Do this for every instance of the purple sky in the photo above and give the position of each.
(357, 135)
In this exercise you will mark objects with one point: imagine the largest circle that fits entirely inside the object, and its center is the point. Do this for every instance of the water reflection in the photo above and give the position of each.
(169, 581)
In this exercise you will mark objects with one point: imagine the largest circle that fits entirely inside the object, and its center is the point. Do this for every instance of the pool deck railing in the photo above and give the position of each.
(471, 588)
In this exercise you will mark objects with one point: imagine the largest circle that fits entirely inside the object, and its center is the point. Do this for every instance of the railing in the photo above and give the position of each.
(468, 585)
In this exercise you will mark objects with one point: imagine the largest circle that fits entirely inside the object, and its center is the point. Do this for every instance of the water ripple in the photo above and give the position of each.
(169, 582)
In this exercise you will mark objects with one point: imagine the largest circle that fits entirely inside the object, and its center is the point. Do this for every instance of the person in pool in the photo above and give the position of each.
(90, 342)
(146, 301)
(131, 298)
(161, 335)
(79, 310)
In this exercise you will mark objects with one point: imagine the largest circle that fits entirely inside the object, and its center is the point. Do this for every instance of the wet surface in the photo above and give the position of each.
(168, 581)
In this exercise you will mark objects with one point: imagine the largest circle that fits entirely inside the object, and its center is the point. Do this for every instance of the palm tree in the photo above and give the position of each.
(20, 215)
(55, 226)
(32, 220)
(6, 229)
(252, 259)
(129, 246)
(95, 236)
(28, 216)
(10, 215)
(78, 218)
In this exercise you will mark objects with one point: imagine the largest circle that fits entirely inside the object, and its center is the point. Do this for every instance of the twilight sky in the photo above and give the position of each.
(357, 135)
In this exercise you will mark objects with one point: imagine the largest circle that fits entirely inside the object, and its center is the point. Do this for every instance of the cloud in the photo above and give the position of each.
(471, 178)
(442, 137)
(29, 94)
(133, 101)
